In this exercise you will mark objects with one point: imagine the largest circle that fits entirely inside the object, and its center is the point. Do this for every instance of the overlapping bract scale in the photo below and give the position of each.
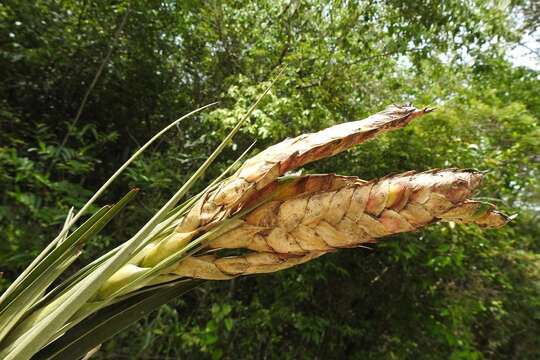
(296, 219)
(343, 212)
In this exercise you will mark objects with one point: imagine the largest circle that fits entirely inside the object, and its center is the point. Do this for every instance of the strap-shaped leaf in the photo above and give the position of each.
(94, 230)
(38, 280)
(17, 285)
(111, 320)
(41, 277)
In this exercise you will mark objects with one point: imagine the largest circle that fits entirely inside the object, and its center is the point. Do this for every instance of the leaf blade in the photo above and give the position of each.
(111, 320)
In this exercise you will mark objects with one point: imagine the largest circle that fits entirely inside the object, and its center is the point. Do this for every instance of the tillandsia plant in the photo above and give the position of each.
(258, 220)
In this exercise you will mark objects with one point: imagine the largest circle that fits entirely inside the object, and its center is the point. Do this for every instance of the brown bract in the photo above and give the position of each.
(312, 215)
(263, 169)
(287, 221)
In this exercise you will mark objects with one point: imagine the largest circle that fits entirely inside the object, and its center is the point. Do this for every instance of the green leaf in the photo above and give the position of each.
(16, 285)
(39, 279)
(111, 320)
(38, 336)
(52, 267)
(91, 232)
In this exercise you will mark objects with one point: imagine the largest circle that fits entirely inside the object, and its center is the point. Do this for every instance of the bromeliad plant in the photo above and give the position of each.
(256, 221)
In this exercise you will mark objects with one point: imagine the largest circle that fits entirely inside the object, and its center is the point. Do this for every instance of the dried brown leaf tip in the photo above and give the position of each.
(263, 169)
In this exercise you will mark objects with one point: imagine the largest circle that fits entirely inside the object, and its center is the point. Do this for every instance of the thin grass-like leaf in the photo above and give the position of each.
(65, 250)
(10, 319)
(180, 210)
(111, 213)
(40, 279)
(111, 320)
(172, 215)
(69, 217)
(16, 286)
(81, 230)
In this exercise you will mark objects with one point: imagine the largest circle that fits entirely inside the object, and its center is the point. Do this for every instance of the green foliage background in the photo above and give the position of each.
(447, 292)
